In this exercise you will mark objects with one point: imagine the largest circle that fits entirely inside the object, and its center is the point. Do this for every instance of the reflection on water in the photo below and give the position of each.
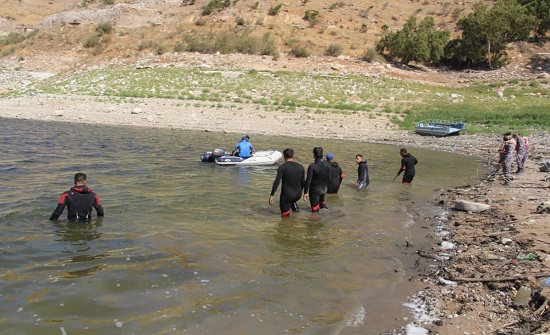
(78, 231)
(193, 247)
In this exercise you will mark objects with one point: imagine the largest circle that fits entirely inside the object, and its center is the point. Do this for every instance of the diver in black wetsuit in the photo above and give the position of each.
(292, 176)
(335, 182)
(79, 201)
(407, 164)
(317, 180)
(363, 179)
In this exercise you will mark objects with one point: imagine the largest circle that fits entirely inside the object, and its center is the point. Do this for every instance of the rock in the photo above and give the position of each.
(446, 282)
(468, 206)
(445, 245)
(507, 241)
(543, 207)
(493, 257)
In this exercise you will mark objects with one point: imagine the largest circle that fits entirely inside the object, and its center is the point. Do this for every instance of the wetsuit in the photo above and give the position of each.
(79, 201)
(245, 149)
(334, 184)
(407, 164)
(363, 175)
(318, 177)
(292, 175)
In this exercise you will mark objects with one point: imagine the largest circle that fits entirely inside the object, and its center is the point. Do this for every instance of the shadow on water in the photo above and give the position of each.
(78, 231)
(79, 235)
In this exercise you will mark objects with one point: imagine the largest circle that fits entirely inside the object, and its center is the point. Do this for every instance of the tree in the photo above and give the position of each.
(540, 9)
(415, 42)
(487, 32)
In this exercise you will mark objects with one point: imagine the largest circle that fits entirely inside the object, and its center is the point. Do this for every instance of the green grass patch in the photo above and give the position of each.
(521, 107)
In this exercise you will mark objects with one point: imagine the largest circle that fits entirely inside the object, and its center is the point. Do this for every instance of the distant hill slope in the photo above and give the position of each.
(354, 25)
(142, 29)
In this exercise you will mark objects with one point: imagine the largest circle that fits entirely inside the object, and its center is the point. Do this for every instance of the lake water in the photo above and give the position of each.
(188, 247)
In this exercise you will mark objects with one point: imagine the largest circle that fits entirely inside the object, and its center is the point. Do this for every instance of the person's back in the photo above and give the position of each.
(319, 177)
(409, 161)
(293, 180)
(336, 175)
(317, 180)
(79, 200)
(292, 176)
(244, 148)
(363, 179)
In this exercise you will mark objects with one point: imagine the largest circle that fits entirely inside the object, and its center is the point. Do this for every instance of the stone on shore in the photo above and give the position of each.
(469, 206)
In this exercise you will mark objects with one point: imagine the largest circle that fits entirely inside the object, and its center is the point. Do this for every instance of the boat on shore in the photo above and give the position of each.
(439, 129)
(219, 156)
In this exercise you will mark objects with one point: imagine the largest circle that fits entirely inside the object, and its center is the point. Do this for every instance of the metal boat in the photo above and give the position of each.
(439, 129)
(219, 156)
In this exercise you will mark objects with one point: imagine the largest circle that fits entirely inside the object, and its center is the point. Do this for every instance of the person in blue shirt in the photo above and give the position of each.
(244, 148)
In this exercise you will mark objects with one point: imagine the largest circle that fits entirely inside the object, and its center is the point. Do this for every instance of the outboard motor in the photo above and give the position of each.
(218, 153)
(210, 156)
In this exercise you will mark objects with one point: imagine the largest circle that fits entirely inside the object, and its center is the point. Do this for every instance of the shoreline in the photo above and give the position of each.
(484, 243)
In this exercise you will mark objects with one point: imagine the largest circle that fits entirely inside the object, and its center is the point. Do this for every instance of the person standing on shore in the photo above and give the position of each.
(521, 152)
(363, 179)
(79, 201)
(335, 183)
(506, 155)
(408, 163)
(292, 175)
(317, 180)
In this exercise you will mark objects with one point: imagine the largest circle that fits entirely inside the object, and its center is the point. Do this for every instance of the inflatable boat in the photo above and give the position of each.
(218, 156)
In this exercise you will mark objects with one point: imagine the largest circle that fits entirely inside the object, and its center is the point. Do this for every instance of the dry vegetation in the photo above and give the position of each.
(140, 26)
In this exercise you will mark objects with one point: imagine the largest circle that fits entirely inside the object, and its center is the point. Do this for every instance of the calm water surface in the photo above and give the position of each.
(193, 248)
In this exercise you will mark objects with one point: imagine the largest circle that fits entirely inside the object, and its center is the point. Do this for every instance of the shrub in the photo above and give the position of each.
(108, 2)
(8, 51)
(300, 52)
(179, 47)
(333, 50)
(200, 22)
(456, 13)
(160, 49)
(97, 50)
(147, 45)
(371, 55)
(11, 38)
(336, 5)
(104, 28)
(226, 42)
(91, 42)
(240, 21)
(32, 33)
(311, 17)
(215, 5)
(363, 28)
(254, 5)
(274, 10)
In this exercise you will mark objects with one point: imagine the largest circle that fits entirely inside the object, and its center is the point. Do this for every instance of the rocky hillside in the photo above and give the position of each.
(147, 32)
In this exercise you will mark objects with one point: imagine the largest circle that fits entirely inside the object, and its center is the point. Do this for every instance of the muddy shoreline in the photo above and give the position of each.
(473, 289)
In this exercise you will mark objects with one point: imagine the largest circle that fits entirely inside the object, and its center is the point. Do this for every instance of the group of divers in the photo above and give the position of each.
(324, 176)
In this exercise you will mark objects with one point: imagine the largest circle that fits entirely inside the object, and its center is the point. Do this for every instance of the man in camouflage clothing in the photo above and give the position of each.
(521, 150)
(506, 154)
